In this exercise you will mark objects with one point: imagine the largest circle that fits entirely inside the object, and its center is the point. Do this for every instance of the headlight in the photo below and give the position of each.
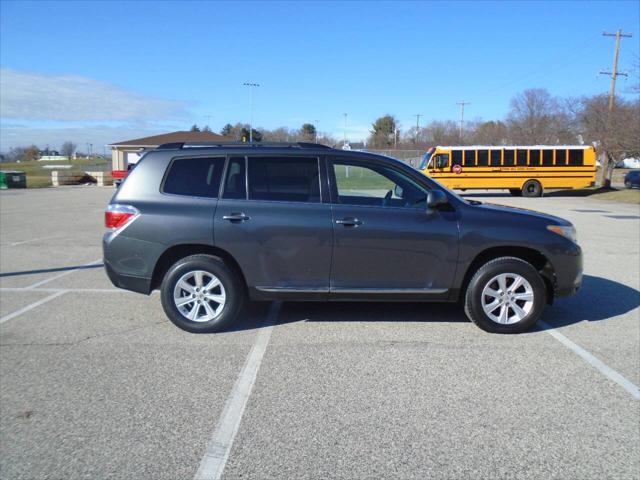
(567, 232)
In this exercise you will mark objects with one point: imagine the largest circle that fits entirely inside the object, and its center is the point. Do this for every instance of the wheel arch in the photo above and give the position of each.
(172, 254)
(530, 255)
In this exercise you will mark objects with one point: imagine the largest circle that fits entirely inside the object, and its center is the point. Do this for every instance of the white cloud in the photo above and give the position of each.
(73, 98)
(98, 135)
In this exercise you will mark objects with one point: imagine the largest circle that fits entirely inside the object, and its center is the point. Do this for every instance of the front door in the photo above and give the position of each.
(272, 220)
(385, 239)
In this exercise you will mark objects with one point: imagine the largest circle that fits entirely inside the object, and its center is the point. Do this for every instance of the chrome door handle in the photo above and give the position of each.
(349, 222)
(236, 217)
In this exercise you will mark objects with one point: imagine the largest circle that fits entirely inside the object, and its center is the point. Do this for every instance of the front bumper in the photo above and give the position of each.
(568, 271)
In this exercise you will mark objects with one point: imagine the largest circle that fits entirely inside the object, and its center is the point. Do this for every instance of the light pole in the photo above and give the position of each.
(251, 85)
(315, 127)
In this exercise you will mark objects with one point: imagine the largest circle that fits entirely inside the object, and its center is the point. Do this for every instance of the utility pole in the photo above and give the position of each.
(606, 181)
(208, 117)
(315, 128)
(417, 115)
(345, 130)
(251, 85)
(462, 104)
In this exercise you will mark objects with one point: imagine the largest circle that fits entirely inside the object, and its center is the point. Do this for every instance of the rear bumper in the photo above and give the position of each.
(128, 282)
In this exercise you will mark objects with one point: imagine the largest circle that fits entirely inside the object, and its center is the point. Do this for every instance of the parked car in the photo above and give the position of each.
(215, 225)
(632, 179)
(628, 163)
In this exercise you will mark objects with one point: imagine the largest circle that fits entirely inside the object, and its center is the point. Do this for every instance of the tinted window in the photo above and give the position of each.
(195, 177)
(576, 157)
(285, 179)
(235, 185)
(470, 158)
(495, 157)
(457, 157)
(376, 186)
(534, 158)
(522, 157)
(483, 158)
(508, 157)
(547, 157)
(561, 157)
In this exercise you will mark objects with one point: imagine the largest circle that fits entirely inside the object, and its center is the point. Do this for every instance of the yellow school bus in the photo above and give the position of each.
(524, 170)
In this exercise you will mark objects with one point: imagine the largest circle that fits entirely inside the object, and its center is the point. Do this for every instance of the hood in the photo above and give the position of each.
(531, 214)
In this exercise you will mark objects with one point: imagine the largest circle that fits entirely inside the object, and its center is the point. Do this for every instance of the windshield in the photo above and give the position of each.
(425, 159)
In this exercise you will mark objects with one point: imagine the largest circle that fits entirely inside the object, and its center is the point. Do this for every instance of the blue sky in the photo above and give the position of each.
(108, 71)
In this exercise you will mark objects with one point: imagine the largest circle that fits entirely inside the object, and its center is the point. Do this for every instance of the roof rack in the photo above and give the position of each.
(182, 145)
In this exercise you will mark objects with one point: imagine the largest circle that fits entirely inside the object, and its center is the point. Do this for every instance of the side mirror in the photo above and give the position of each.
(436, 198)
(398, 191)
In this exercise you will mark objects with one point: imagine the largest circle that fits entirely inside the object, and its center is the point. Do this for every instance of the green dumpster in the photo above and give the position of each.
(13, 179)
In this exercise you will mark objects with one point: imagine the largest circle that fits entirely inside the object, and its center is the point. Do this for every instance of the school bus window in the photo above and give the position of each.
(508, 157)
(534, 158)
(483, 158)
(547, 157)
(561, 157)
(522, 157)
(495, 157)
(576, 157)
(457, 157)
(470, 158)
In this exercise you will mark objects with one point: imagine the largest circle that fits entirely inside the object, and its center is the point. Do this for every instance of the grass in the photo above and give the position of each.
(39, 177)
(625, 195)
(361, 179)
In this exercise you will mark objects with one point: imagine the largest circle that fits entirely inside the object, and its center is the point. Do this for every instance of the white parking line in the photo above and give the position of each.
(55, 277)
(593, 361)
(30, 307)
(66, 290)
(221, 441)
(14, 244)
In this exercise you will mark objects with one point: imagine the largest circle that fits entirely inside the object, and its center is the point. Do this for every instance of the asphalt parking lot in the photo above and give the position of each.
(97, 383)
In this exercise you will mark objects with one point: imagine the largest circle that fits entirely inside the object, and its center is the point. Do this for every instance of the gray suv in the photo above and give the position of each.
(215, 225)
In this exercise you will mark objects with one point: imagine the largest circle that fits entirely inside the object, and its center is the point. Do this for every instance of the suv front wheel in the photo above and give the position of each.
(506, 295)
(201, 294)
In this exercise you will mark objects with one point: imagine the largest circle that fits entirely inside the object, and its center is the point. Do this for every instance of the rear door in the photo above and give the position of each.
(385, 240)
(271, 217)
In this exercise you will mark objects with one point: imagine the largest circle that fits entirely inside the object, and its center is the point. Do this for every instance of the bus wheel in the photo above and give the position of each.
(532, 188)
(516, 192)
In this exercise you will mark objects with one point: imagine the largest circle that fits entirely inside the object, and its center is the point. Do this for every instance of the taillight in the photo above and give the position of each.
(117, 216)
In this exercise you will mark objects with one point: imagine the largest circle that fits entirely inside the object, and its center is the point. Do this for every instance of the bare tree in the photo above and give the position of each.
(68, 148)
(617, 133)
(537, 118)
(489, 133)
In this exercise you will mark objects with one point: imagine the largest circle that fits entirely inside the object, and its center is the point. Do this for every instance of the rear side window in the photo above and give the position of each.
(534, 158)
(561, 157)
(495, 158)
(284, 179)
(194, 177)
(470, 158)
(457, 157)
(576, 157)
(483, 158)
(235, 185)
(509, 157)
(522, 157)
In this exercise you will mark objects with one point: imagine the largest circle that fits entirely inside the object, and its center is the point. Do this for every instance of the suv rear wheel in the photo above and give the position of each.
(506, 295)
(201, 294)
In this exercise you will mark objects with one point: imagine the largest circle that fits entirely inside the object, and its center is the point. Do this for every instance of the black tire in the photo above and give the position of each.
(532, 188)
(516, 192)
(473, 296)
(233, 289)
